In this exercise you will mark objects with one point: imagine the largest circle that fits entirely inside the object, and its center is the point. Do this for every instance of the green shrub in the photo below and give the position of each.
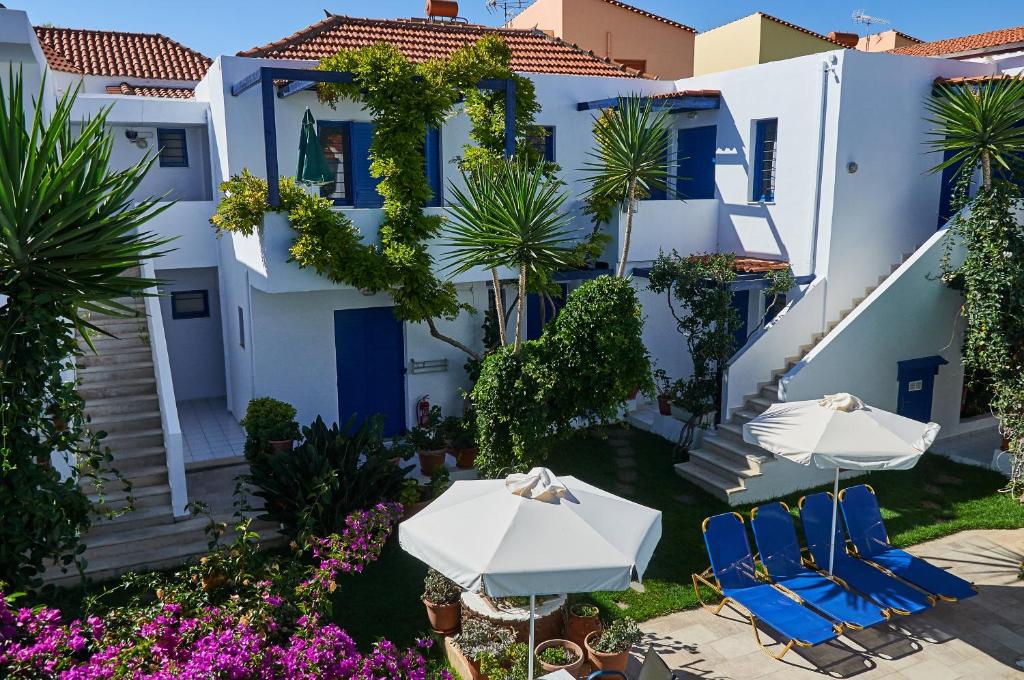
(332, 473)
(556, 655)
(439, 589)
(432, 435)
(618, 637)
(267, 419)
(480, 639)
(513, 664)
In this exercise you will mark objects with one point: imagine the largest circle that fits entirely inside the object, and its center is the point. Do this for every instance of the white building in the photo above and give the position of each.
(815, 161)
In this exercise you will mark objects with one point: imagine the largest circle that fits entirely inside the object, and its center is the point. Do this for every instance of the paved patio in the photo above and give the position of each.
(982, 637)
(209, 431)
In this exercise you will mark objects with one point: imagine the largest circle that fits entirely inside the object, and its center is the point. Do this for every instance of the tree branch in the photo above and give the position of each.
(451, 341)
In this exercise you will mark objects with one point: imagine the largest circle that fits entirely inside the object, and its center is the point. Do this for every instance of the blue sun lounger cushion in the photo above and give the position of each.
(889, 592)
(780, 553)
(733, 567)
(867, 531)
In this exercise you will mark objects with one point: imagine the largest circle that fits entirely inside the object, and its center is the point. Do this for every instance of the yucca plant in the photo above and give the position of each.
(630, 160)
(68, 235)
(980, 125)
(510, 215)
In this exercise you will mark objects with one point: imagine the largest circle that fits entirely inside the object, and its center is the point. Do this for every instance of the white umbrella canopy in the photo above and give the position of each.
(837, 432)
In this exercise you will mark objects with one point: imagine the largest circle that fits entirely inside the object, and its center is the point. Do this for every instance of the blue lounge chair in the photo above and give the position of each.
(871, 542)
(779, 551)
(732, 567)
(868, 580)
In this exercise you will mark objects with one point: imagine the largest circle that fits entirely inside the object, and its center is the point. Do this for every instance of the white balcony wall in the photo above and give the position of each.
(195, 242)
(688, 227)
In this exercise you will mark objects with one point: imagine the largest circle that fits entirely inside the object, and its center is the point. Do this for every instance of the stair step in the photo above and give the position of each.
(118, 405)
(131, 355)
(130, 444)
(747, 455)
(144, 516)
(141, 494)
(99, 389)
(718, 486)
(731, 430)
(759, 404)
(724, 464)
(104, 344)
(126, 422)
(138, 475)
(743, 416)
(769, 391)
(125, 371)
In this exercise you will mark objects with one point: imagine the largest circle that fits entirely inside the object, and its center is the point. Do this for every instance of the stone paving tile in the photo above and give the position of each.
(982, 637)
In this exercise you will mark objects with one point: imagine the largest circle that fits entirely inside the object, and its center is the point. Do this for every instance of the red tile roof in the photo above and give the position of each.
(420, 40)
(750, 265)
(967, 43)
(149, 91)
(113, 53)
(651, 15)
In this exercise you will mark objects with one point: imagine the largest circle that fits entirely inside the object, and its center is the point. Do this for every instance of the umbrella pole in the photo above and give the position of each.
(533, 604)
(835, 508)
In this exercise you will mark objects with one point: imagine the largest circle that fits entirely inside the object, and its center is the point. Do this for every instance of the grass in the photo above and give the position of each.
(384, 600)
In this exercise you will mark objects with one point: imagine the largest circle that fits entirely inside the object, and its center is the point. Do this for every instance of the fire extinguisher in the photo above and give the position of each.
(423, 411)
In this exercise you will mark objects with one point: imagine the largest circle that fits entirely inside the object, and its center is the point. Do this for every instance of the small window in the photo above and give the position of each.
(336, 144)
(543, 142)
(765, 153)
(173, 149)
(241, 328)
(190, 304)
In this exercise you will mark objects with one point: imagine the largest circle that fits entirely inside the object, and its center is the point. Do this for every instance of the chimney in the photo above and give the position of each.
(442, 9)
(845, 39)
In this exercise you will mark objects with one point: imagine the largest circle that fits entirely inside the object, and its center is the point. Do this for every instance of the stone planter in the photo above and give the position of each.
(444, 618)
(602, 661)
(549, 624)
(573, 668)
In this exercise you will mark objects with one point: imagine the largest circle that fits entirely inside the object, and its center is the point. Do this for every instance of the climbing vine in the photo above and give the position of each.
(405, 99)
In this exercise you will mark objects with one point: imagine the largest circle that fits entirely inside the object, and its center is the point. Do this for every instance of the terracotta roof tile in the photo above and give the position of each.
(420, 40)
(651, 15)
(967, 43)
(756, 265)
(113, 53)
(150, 91)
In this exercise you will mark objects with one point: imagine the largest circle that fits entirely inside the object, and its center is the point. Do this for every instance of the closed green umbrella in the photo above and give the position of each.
(313, 167)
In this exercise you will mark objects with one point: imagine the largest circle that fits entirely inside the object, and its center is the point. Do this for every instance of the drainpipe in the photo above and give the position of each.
(828, 67)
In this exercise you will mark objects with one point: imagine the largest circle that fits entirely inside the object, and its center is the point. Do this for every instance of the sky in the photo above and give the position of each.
(227, 26)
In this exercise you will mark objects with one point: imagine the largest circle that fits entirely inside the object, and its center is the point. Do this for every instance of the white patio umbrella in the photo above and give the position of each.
(533, 534)
(840, 432)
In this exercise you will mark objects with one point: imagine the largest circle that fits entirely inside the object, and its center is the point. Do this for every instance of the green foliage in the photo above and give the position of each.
(556, 655)
(585, 366)
(70, 231)
(334, 472)
(512, 664)
(992, 280)
(585, 610)
(267, 419)
(701, 286)
(980, 125)
(620, 636)
(439, 589)
(480, 638)
(431, 435)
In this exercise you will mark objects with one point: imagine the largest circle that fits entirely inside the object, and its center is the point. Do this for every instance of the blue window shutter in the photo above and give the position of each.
(662, 194)
(364, 185)
(549, 144)
(696, 162)
(766, 135)
(432, 158)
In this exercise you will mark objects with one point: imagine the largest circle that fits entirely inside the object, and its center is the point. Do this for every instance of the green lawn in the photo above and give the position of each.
(384, 600)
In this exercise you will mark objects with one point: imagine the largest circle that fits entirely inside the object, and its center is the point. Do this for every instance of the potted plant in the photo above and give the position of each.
(481, 640)
(441, 597)
(609, 649)
(584, 619)
(429, 442)
(464, 443)
(270, 426)
(665, 392)
(556, 655)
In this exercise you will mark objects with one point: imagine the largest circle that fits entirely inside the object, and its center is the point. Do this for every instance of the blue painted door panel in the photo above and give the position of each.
(916, 379)
(533, 303)
(432, 158)
(741, 303)
(364, 185)
(696, 168)
(370, 356)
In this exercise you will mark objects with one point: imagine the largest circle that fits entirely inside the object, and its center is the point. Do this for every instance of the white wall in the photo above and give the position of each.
(195, 242)
(195, 346)
(191, 183)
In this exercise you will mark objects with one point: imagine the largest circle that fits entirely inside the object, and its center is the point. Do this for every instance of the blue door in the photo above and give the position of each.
(695, 177)
(916, 386)
(533, 303)
(741, 303)
(371, 366)
(661, 193)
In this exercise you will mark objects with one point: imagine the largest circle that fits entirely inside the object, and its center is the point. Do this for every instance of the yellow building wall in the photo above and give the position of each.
(782, 42)
(733, 45)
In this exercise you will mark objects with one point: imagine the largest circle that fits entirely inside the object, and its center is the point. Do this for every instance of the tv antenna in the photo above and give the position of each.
(860, 17)
(510, 8)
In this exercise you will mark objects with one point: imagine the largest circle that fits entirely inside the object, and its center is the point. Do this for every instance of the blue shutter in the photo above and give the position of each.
(948, 184)
(549, 144)
(364, 185)
(766, 132)
(432, 158)
(696, 162)
(662, 194)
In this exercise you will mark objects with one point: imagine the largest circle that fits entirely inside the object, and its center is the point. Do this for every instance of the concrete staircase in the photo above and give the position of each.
(730, 469)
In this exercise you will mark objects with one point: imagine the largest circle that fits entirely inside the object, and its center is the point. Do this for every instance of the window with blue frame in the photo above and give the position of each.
(766, 134)
(432, 160)
(173, 147)
(190, 304)
(544, 144)
(336, 146)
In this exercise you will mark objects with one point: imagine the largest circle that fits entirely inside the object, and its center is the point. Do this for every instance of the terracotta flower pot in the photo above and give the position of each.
(280, 445)
(664, 405)
(431, 460)
(602, 661)
(579, 627)
(464, 458)
(573, 668)
(444, 618)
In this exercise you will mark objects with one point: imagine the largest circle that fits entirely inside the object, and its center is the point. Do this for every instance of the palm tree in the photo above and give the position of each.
(69, 234)
(510, 215)
(631, 158)
(980, 125)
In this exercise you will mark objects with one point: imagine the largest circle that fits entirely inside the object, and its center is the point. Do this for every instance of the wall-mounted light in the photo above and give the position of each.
(851, 167)
(139, 138)
(691, 114)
